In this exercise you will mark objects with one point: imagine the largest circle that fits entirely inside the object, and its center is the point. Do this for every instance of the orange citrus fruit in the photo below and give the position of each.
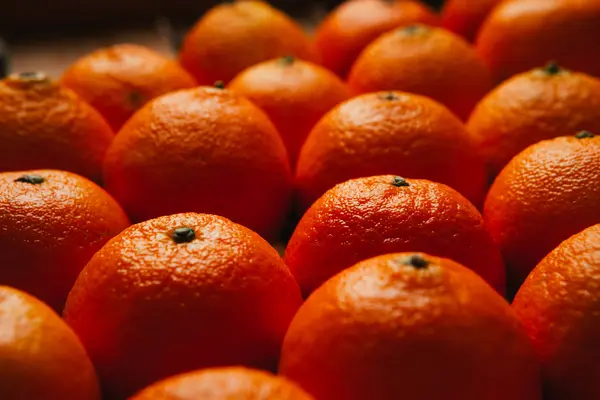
(238, 34)
(424, 60)
(348, 29)
(409, 326)
(51, 224)
(295, 94)
(521, 34)
(206, 150)
(385, 133)
(465, 17)
(120, 79)
(546, 194)
(537, 105)
(43, 125)
(40, 356)
(222, 384)
(559, 306)
(179, 293)
(366, 217)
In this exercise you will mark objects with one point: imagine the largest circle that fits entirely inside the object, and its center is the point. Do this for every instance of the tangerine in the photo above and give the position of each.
(546, 194)
(238, 34)
(295, 94)
(43, 125)
(51, 224)
(120, 79)
(389, 326)
(366, 217)
(179, 293)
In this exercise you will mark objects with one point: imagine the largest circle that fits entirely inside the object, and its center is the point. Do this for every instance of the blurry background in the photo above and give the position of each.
(48, 35)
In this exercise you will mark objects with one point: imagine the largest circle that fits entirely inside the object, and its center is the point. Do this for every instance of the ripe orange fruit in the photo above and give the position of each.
(547, 193)
(423, 60)
(393, 132)
(465, 17)
(118, 80)
(224, 383)
(409, 326)
(366, 217)
(559, 306)
(51, 224)
(520, 35)
(43, 125)
(206, 150)
(178, 293)
(40, 356)
(354, 24)
(540, 104)
(295, 94)
(238, 34)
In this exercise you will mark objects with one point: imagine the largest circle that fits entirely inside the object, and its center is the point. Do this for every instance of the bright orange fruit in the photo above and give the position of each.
(522, 34)
(537, 105)
(224, 383)
(238, 34)
(43, 125)
(120, 79)
(366, 217)
(465, 17)
(547, 193)
(424, 60)
(389, 132)
(409, 326)
(51, 224)
(349, 28)
(559, 305)
(40, 356)
(295, 94)
(206, 150)
(179, 293)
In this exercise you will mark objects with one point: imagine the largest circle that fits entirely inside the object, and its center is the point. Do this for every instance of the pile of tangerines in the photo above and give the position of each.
(423, 171)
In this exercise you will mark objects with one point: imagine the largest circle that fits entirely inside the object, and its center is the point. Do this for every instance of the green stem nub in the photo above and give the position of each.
(584, 135)
(219, 85)
(389, 96)
(183, 235)
(32, 179)
(288, 60)
(399, 182)
(552, 68)
(417, 261)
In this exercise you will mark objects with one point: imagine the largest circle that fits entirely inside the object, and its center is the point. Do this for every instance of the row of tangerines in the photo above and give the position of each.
(191, 291)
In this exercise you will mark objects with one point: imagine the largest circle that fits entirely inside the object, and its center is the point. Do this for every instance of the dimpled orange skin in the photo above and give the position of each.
(366, 217)
(520, 35)
(384, 133)
(43, 125)
(234, 36)
(50, 230)
(559, 307)
(531, 107)
(547, 193)
(424, 60)
(206, 150)
(465, 17)
(147, 307)
(295, 94)
(354, 24)
(40, 356)
(118, 80)
(385, 329)
(235, 383)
